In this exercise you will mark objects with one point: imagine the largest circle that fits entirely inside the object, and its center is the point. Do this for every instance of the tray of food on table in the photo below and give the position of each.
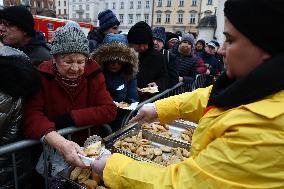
(177, 130)
(145, 146)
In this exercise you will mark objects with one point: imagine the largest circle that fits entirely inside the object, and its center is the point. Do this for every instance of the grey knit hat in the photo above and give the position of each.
(69, 40)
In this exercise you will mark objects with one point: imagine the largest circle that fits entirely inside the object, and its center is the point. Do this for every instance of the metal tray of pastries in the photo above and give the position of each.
(179, 130)
(80, 178)
(145, 146)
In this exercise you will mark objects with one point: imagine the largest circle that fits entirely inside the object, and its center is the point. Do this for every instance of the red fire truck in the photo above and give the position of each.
(48, 25)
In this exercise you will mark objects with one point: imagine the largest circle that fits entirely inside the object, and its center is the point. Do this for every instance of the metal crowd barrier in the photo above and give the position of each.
(19, 145)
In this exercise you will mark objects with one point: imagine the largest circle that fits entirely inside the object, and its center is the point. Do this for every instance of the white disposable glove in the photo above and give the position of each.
(147, 113)
(99, 164)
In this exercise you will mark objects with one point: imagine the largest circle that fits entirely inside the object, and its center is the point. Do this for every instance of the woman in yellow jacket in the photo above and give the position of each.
(239, 142)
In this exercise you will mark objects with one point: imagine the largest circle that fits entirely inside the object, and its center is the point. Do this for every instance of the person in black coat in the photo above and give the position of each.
(18, 81)
(152, 63)
(17, 30)
(159, 38)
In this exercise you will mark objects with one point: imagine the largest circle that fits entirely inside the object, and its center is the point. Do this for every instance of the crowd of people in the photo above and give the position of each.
(75, 80)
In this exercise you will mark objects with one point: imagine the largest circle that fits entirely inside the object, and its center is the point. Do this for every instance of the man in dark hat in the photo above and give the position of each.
(108, 24)
(159, 39)
(17, 30)
(171, 40)
(152, 63)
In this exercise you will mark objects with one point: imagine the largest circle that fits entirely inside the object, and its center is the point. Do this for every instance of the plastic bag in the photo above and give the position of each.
(55, 162)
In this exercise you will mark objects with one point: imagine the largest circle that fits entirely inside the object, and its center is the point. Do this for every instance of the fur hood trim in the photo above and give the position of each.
(117, 52)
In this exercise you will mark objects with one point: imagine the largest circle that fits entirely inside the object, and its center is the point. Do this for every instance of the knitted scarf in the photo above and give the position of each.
(265, 80)
(70, 85)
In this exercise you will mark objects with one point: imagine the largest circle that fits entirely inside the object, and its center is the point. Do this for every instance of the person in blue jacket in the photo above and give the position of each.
(120, 66)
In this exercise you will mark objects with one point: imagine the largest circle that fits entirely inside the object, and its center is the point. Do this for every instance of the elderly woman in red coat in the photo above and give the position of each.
(73, 94)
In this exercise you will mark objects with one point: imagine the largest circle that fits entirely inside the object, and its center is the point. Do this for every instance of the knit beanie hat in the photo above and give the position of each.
(69, 40)
(159, 33)
(140, 33)
(71, 23)
(188, 38)
(201, 41)
(112, 37)
(170, 36)
(257, 20)
(19, 16)
(107, 20)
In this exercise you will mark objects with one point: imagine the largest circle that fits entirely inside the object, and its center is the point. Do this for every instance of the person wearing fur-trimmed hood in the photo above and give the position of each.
(121, 81)
(120, 67)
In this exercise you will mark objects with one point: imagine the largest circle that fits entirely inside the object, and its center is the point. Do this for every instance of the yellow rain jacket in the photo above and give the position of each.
(242, 147)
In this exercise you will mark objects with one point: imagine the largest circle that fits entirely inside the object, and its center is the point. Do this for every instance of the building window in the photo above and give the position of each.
(138, 17)
(169, 3)
(65, 12)
(74, 0)
(159, 16)
(73, 15)
(59, 11)
(180, 18)
(147, 5)
(209, 2)
(106, 6)
(58, 3)
(192, 18)
(168, 18)
(38, 4)
(131, 4)
(80, 7)
(139, 5)
(181, 3)
(146, 18)
(113, 5)
(130, 18)
(121, 18)
(87, 7)
(160, 3)
(74, 7)
(87, 15)
(121, 5)
(194, 3)
(80, 0)
(64, 3)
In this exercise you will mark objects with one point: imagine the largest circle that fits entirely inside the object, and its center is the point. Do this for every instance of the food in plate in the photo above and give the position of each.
(149, 90)
(93, 150)
(122, 104)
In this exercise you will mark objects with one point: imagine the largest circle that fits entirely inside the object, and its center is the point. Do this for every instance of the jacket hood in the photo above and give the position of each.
(18, 79)
(117, 52)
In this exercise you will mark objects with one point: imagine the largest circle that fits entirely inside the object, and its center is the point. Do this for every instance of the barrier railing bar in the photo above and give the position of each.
(15, 170)
(152, 99)
(9, 148)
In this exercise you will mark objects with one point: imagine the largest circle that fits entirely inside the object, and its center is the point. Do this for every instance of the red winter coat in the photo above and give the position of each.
(92, 104)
